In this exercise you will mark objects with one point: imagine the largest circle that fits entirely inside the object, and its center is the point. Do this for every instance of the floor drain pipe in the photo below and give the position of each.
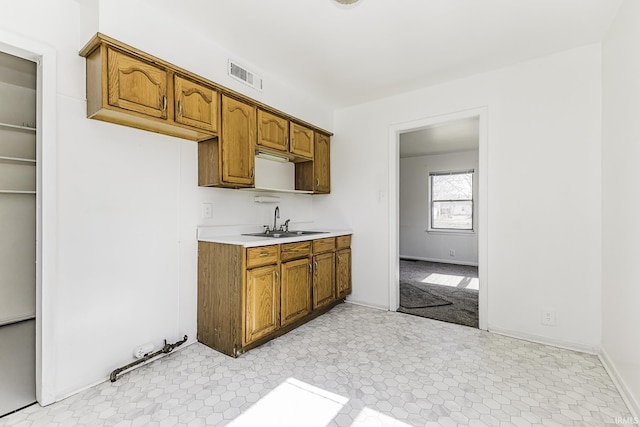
(168, 348)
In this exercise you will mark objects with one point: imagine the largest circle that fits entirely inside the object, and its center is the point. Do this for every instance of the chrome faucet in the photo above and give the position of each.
(276, 216)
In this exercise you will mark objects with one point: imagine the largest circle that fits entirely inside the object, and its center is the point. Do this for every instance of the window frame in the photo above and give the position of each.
(430, 228)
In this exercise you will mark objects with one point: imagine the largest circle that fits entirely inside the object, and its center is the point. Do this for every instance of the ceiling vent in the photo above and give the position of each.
(247, 77)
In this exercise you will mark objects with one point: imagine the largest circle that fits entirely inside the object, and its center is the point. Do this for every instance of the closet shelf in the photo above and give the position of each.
(16, 159)
(17, 192)
(18, 127)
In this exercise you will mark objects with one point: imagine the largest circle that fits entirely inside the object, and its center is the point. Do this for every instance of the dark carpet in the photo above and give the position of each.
(462, 303)
(414, 297)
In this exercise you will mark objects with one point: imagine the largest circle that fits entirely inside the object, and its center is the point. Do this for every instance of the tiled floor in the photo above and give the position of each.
(354, 366)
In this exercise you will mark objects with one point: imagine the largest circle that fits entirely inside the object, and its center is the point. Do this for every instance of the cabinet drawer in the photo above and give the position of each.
(343, 242)
(295, 250)
(324, 245)
(262, 255)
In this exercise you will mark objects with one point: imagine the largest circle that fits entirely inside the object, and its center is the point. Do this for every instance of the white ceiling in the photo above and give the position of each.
(455, 136)
(346, 56)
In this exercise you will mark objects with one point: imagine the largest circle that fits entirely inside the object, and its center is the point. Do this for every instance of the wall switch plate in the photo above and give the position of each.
(452, 252)
(207, 210)
(549, 317)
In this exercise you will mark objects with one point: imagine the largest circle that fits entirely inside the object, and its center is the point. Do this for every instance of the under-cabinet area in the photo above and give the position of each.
(248, 295)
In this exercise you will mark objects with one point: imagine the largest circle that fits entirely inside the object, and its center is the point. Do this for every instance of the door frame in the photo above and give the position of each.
(46, 204)
(483, 209)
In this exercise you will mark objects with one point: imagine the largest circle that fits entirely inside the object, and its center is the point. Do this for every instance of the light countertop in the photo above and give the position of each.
(253, 241)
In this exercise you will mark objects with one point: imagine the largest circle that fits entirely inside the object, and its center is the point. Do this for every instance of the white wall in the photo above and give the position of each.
(543, 189)
(415, 242)
(620, 204)
(128, 201)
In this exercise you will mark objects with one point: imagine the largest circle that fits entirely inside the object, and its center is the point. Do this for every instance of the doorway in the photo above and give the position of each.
(447, 234)
(44, 56)
(438, 222)
(18, 230)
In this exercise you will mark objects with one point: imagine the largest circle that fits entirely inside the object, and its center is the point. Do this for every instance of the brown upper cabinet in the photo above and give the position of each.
(322, 165)
(273, 131)
(136, 85)
(195, 104)
(238, 141)
(132, 88)
(316, 175)
(301, 140)
(128, 87)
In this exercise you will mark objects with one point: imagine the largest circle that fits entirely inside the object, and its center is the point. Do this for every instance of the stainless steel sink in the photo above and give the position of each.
(282, 234)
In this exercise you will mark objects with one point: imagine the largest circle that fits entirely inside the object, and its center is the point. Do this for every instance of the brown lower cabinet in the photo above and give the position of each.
(247, 296)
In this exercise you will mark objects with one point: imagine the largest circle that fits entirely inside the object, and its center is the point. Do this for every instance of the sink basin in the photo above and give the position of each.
(282, 234)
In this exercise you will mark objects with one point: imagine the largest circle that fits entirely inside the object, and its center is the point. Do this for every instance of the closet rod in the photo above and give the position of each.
(17, 159)
(10, 126)
(17, 320)
(17, 192)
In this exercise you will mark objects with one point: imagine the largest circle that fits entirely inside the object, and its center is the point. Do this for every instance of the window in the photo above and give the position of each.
(451, 200)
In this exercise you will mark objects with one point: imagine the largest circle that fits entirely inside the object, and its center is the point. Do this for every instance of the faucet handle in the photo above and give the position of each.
(266, 229)
(286, 225)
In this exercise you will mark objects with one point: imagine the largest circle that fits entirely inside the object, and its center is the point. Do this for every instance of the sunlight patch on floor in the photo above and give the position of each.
(293, 403)
(452, 280)
(371, 417)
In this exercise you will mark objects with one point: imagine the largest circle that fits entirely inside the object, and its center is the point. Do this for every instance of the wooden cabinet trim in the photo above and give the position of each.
(324, 245)
(262, 255)
(273, 131)
(343, 242)
(262, 302)
(205, 113)
(324, 279)
(289, 251)
(295, 290)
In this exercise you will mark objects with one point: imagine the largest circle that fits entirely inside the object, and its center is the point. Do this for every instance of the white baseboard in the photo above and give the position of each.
(567, 345)
(632, 404)
(443, 261)
(350, 301)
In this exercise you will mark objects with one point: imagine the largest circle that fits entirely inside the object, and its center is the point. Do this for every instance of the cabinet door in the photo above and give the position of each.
(273, 131)
(262, 302)
(301, 141)
(343, 272)
(136, 85)
(324, 289)
(195, 104)
(321, 165)
(295, 301)
(238, 142)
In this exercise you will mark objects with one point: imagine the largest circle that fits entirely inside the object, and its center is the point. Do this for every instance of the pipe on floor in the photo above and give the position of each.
(168, 348)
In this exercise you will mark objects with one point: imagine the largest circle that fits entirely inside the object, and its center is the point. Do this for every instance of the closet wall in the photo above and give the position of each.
(17, 232)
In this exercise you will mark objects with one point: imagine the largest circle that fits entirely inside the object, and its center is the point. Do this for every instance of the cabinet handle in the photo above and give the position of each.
(277, 276)
(317, 182)
(339, 257)
(179, 108)
(264, 253)
(164, 103)
(253, 171)
(310, 269)
(286, 140)
(315, 266)
(293, 142)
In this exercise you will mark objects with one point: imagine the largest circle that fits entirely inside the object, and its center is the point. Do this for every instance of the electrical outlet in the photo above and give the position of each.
(549, 317)
(452, 252)
(140, 352)
(207, 210)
